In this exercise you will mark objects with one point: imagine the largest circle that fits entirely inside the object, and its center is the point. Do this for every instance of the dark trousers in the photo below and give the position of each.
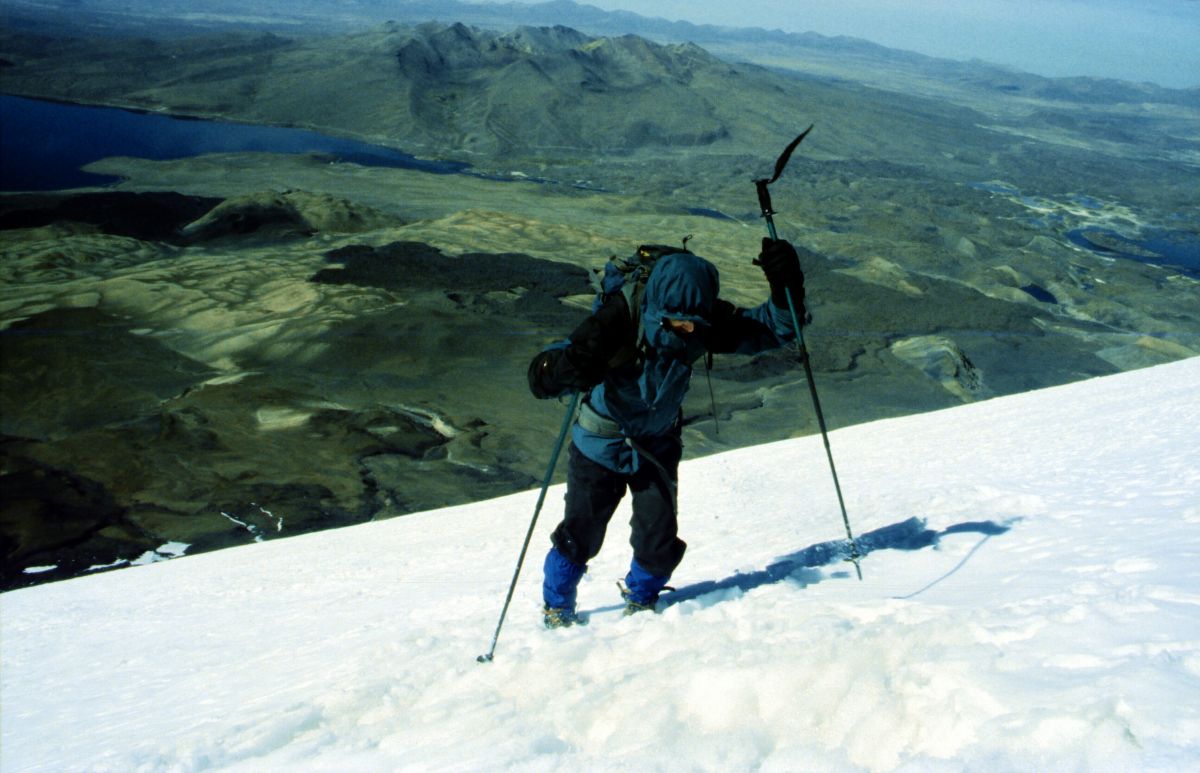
(593, 493)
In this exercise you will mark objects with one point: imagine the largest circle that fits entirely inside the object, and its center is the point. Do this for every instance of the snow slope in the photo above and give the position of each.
(1031, 602)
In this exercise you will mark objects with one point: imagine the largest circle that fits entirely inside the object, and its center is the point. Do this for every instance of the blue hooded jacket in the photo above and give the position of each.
(646, 401)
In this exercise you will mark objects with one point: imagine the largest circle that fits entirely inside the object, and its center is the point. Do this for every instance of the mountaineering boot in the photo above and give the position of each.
(632, 607)
(555, 617)
(560, 580)
(640, 589)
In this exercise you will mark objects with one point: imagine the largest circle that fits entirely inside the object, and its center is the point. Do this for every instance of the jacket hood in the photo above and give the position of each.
(681, 286)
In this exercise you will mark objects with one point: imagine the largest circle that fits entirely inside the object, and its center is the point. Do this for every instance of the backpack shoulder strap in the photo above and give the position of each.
(634, 290)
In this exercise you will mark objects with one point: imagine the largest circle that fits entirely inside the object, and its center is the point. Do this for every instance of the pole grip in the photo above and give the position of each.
(764, 198)
(764, 204)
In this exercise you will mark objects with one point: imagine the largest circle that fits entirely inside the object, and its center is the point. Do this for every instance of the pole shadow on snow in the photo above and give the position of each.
(801, 567)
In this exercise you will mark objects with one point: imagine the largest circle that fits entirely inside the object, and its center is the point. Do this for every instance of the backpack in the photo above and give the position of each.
(628, 277)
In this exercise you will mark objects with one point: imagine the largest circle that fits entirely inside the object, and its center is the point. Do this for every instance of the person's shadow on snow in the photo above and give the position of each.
(801, 567)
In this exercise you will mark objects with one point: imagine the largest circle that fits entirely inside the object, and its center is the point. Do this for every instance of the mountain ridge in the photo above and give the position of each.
(178, 16)
(467, 93)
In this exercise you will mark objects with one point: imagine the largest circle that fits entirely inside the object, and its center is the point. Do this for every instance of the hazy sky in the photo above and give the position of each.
(1155, 40)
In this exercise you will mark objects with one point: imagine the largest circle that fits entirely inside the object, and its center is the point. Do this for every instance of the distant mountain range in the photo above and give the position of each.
(749, 44)
(597, 21)
(471, 93)
(514, 99)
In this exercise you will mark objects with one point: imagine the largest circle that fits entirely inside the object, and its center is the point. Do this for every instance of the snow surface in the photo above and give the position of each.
(1031, 602)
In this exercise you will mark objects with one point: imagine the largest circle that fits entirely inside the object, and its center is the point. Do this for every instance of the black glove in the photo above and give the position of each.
(556, 372)
(601, 342)
(542, 372)
(782, 267)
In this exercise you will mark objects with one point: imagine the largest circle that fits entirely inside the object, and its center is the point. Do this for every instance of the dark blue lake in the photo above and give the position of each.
(1175, 248)
(44, 144)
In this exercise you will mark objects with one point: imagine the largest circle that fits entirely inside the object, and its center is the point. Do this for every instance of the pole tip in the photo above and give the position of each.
(484, 658)
(854, 560)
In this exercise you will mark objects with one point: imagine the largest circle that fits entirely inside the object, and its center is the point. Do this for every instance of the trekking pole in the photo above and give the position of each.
(562, 436)
(764, 202)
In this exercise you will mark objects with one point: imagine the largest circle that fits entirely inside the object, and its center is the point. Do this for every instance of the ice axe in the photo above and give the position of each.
(764, 203)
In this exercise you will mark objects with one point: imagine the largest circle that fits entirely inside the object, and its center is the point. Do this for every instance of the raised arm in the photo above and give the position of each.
(768, 325)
